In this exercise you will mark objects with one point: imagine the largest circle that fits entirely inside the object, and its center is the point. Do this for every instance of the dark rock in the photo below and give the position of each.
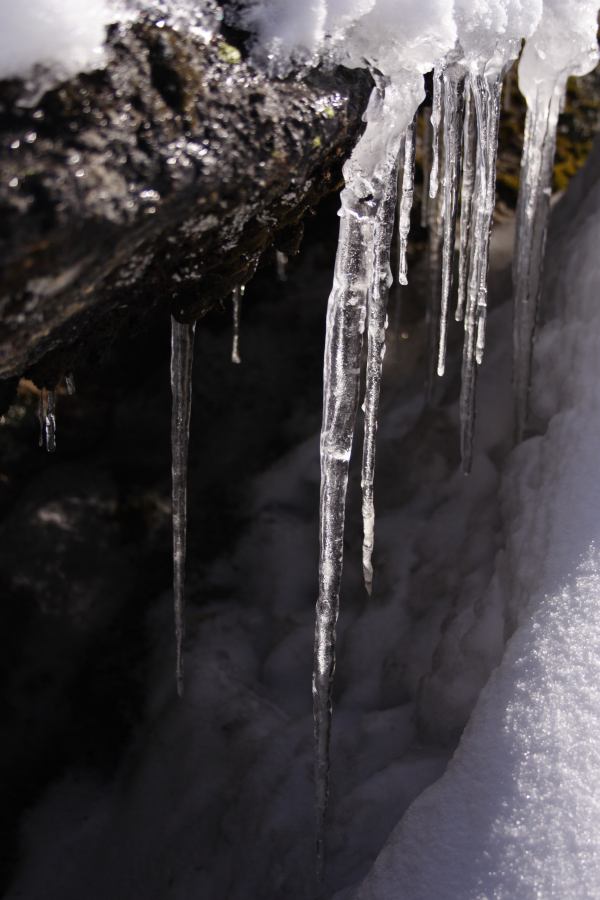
(159, 179)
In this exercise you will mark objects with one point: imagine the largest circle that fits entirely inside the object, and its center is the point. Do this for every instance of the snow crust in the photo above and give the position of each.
(517, 813)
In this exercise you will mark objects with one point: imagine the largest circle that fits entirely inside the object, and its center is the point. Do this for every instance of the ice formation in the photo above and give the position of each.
(358, 299)
(182, 358)
(406, 200)
(563, 44)
(47, 417)
(470, 47)
(516, 813)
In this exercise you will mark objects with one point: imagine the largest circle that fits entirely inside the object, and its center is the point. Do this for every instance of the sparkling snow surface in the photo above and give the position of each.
(517, 814)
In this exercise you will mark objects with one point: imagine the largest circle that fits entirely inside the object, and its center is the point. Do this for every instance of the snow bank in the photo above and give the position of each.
(517, 813)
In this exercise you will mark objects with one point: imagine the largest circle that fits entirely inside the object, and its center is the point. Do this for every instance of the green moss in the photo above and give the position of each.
(228, 53)
(317, 142)
(329, 112)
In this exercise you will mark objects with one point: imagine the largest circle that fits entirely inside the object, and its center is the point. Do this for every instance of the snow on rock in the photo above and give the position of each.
(517, 813)
(62, 34)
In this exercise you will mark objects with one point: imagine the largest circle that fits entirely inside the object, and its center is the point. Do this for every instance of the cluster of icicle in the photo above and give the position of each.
(467, 86)
(470, 46)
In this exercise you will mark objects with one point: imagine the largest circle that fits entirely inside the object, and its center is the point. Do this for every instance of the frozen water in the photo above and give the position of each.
(517, 812)
(564, 43)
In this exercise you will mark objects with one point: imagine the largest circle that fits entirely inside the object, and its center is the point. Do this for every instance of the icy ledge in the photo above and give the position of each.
(517, 814)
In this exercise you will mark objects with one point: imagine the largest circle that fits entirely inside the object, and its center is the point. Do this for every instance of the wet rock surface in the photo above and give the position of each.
(159, 180)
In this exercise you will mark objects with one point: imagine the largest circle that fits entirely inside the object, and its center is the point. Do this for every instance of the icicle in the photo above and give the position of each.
(406, 201)
(376, 328)
(454, 80)
(282, 260)
(426, 166)
(237, 295)
(346, 314)
(47, 417)
(182, 356)
(532, 223)
(466, 199)
(70, 383)
(486, 94)
(361, 278)
(434, 269)
(436, 118)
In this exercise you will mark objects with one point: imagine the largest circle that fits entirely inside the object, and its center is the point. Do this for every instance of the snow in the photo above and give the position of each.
(63, 34)
(64, 37)
(517, 813)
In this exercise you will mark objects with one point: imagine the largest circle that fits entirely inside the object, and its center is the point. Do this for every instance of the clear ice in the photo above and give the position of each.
(47, 417)
(453, 102)
(436, 119)
(376, 327)
(533, 206)
(406, 200)
(182, 358)
(466, 198)
(486, 96)
(357, 301)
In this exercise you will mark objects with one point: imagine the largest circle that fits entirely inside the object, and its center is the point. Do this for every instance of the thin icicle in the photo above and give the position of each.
(376, 328)
(426, 165)
(530, 240)
(368, 175)
(47, 417)
(70, 383)
(346, 315)
(182, 357)
(281, 260)
(466, 198)
(434, 270)
(406, 201)
(238, 293)
(454, 80)
(436, 119)
(486, 93)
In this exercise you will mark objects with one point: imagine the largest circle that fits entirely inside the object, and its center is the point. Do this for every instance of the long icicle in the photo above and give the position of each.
(454, 80)
(486, 93)
(182, 357)
(530, 239)
(436, 119)
(346, 316)
(434, 290)
(406, 200)
(376, 328)
(466, 198)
